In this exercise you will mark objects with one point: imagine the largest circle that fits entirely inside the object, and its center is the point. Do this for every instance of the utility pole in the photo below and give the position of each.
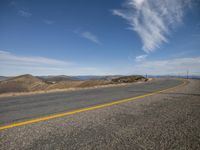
(187, 74)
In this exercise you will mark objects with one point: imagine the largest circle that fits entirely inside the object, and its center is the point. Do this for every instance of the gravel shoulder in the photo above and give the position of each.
(168, 120)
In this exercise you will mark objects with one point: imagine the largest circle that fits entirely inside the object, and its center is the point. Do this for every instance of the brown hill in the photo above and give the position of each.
(91, 83)
(29, 83)
(65, 84)
(129, 79)
(23, 83)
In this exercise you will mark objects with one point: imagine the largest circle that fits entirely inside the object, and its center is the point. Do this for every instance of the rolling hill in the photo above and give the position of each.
(29, 83)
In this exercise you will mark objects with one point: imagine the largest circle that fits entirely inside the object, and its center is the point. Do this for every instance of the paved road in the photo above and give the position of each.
(168, 120)
(21, 108)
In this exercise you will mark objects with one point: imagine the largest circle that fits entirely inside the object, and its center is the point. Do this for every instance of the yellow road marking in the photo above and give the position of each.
(83, 109)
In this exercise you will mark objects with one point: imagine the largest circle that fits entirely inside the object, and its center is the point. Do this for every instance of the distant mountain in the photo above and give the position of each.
(93, 77)
(75, 78)
(57, 78)
(3, 78)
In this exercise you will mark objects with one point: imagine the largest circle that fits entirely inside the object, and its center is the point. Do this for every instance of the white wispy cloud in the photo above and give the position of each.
(21, 11)
(9, 58)
(153, 20)
(174, 66)
(12, 64)
(140, 58)
(90, 36)
(24, 13)
(168, 66)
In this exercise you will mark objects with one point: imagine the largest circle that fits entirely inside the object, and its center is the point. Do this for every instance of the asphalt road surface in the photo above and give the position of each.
(168, 120)
(25, 107)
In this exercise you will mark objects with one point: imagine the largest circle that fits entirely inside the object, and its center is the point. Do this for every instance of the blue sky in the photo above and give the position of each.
(99, 37)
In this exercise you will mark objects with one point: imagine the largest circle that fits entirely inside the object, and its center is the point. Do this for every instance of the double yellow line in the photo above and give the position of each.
(83, 109)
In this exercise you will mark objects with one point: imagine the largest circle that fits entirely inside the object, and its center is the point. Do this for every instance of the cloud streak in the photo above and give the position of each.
(24, 13)
(12, 64)
(169, 66)
(90, 36)
(20, 10)
(175, 66)
(140, 58)
(9, 58)
(153, 20)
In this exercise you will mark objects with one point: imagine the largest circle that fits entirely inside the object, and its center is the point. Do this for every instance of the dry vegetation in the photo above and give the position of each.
(29, 83)
(24, 83)
(128, 79)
